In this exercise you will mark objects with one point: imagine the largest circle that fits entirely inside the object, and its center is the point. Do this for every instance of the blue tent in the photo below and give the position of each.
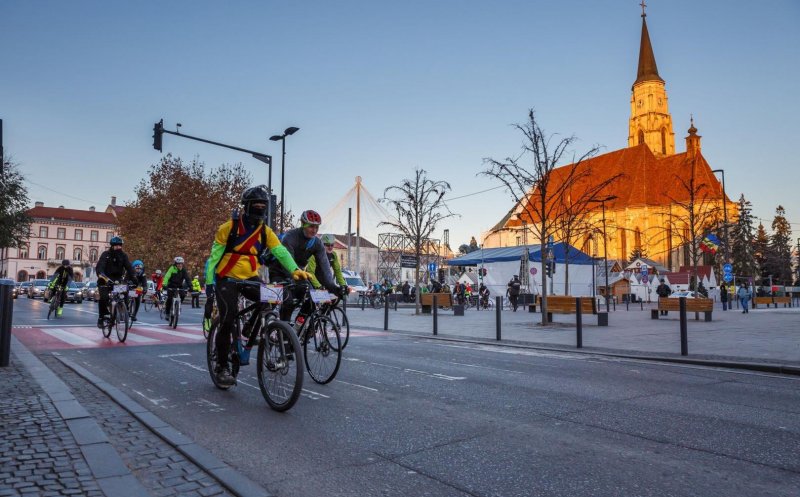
(561, 251)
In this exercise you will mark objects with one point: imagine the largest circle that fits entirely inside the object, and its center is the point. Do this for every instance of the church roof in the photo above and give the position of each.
(644, 179)
(648, 71)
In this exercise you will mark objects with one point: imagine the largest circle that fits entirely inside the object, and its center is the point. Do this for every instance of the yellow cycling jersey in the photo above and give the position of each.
(242, 262)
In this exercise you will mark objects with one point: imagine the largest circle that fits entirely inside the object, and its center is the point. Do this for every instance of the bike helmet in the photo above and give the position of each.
(158, 272)
(137, 263)
(328, 239)
(310, 217)
(179, 260)
(115, 241)
(65, 262)
(255, 195)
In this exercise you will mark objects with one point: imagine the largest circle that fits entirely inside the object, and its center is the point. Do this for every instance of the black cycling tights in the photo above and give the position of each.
(227, 294)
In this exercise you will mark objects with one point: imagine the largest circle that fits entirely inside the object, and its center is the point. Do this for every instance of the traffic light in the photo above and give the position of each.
(549, 268)
(158, 132)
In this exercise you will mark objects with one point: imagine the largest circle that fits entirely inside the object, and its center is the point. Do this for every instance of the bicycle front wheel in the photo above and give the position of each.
(148, 303)
(341, 322)
(122, 323)
(53, 305)
(280, 366)
(176, 309)
(322, 350)
(109, 324)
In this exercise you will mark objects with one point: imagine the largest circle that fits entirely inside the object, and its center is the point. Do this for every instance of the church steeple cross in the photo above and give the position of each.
(643, 6)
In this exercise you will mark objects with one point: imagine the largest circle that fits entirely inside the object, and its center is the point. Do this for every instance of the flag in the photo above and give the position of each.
(709, 244)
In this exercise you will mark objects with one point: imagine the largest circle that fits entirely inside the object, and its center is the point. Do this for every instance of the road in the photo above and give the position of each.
(410, 416)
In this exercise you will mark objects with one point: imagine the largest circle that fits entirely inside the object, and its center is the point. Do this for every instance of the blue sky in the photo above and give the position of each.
(378, 88)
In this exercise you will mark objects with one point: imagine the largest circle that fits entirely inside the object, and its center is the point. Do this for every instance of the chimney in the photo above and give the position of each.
(39, 204)
(114, 201)
(91, 209)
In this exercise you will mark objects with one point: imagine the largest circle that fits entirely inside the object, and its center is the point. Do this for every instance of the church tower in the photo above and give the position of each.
(650, 122)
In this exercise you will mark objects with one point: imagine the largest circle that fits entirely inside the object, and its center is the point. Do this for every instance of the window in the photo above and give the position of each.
(42, 231)
(22, 276)
(623, 244)
(42, 252)
(641, 137)
(79, 234)
(60, 253)
(23, 252)
(93, 255)
(519, 240)
(637, 240)
(77, 253)
(109, 235)
(663, 141)
(61, 233)
(93, 235)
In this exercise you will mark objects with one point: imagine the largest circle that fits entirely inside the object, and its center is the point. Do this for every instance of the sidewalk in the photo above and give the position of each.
(763, 336)
(67, 432)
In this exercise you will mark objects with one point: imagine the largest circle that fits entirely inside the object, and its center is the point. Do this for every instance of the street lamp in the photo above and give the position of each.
(605, 241)
(724, 209)
(282, 138)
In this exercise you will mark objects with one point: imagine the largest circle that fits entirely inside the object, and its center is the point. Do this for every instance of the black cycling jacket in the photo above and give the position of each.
(301, 250)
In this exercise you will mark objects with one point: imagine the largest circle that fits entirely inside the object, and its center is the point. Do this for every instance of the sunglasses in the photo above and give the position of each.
(329, 245)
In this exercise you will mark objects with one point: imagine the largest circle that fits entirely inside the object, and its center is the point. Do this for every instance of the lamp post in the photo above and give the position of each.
(724, 210)
(605, 243)
(282, 138)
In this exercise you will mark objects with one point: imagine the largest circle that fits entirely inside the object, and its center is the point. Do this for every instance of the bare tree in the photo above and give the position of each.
(418, 208)
(534, 186)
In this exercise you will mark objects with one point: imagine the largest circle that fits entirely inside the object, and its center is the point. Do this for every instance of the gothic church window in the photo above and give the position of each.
(663, 141)
(641, 137)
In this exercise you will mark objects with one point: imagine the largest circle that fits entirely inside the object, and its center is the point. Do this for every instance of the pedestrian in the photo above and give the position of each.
(196, 292)
(663, 291)
(514, 287)
(723, 297)
(744, 295)
(406, 291)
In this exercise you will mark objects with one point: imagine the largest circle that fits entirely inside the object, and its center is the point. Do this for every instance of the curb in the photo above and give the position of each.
(228, 477)
(720, 363)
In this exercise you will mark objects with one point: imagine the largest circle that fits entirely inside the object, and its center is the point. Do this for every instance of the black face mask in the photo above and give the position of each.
(255, 214)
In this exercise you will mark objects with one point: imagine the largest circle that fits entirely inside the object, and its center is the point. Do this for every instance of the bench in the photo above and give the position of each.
(565, 304)
(705, 306)
(786, 301)
(443, 299)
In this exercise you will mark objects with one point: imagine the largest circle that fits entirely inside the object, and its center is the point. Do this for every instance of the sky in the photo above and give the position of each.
(379, 88)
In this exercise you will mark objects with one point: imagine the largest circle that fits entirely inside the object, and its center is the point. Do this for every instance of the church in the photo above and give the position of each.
(650, 184)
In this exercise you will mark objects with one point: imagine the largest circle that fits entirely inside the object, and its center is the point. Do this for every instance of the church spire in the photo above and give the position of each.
(648, 71)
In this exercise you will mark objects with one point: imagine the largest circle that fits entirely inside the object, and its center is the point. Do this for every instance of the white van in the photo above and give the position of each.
(355, 283)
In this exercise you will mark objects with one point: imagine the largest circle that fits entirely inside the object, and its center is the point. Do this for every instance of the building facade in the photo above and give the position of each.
(57, 234)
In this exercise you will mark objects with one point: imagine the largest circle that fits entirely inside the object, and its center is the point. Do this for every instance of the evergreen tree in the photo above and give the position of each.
(742, 249)
(638, 252)
(778, 260)
(760, 251)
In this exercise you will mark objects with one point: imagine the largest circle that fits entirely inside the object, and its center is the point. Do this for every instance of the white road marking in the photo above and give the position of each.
(153, 329)
(68, 337)
(435, 375)
(198, 368)
(174, 355)
(486, 367)
(155, 402)
(141, 339)
(357, 385)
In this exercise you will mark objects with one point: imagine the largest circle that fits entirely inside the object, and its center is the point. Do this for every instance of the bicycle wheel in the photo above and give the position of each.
(279, 365)
(176, 310)
(148, 304)
(122, 323)
(321, 350)
(341, 322)
(53, 306)
(109, 324)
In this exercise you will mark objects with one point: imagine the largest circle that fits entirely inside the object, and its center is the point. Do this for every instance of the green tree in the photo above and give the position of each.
(418, 207)
(778, 261)
(177, 211)
(760, 249)
(637, 253)
(742, 237)
(15, 224)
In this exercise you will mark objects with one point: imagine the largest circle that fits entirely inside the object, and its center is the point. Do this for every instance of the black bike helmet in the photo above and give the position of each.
(115, 241)
(253, 195)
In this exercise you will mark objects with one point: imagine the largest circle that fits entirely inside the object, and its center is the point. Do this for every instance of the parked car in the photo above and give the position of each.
(74, 293)
(355, 283)
(689, 294)
(12, 283)
(36, 288)
(90, 291)
(81, 285)
(22, 288)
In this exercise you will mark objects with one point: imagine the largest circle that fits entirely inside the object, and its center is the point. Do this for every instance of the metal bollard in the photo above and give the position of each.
(385, 314)
(363, 302)
(684, 336)
(627, 304)
(498, 307)
(395, 302)
(435, 315)
(578, 323)
(6, 312)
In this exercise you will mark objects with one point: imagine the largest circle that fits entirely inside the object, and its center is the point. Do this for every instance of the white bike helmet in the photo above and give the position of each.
(179, 260)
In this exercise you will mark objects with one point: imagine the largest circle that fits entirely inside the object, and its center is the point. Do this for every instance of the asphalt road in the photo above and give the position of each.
(419, 417)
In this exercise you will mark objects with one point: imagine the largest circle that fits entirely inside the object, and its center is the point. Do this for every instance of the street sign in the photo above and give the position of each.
(644, 277)
(727, 277)
(431, 267)
(533, 271)
(550, 241)
(727, 268)
(644, 269)
(408, 261)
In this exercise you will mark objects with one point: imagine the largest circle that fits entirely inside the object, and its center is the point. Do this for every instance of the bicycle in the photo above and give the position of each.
(175, 312)
(55, 300)
(378, 300)
(335, 313)
(279, 366)
(118, 320)
(151, 301)
(318, 335)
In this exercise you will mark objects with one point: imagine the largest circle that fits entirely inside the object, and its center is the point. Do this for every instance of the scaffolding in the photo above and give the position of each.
(392, 245)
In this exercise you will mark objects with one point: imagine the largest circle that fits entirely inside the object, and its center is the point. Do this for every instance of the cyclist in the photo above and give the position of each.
(328, 241)
(483, 293)
(158, 282)
(196, 292)
(61, 279)
(176, 278)
(236, 255)
(302, 243)
(112, 266)
(140, 280)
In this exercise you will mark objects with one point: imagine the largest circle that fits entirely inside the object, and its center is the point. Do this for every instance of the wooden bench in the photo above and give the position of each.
(786, 301)
(565, 304)
(442, 299)
(705, 306)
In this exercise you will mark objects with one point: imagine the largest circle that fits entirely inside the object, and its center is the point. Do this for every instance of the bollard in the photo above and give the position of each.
(684, 337)
(641, 305)
(627, 304)
(435, 314)
(614, 303)
(385, 314)
(363, 302)
(344, 305)
(578, 323)
(6, 312)
(498, 307)
(395, 302)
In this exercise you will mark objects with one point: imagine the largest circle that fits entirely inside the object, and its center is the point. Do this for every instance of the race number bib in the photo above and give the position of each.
(272, 294)
(320, 296)
(120, 289)
(132, 293)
